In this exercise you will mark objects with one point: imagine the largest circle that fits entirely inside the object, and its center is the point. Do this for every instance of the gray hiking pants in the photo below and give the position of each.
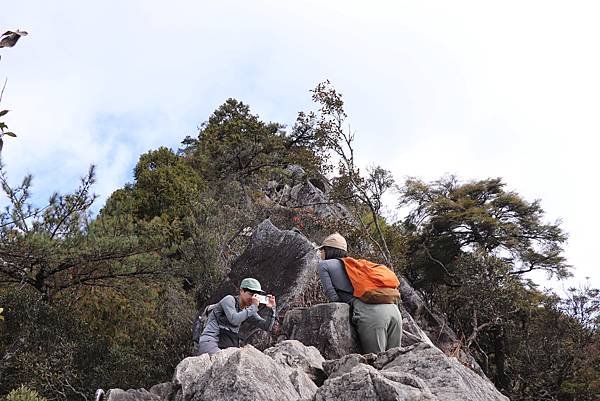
(379, 326)
(208, 347)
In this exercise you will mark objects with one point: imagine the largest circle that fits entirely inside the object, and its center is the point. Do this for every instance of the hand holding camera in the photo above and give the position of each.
(268, 300)
(262, 299)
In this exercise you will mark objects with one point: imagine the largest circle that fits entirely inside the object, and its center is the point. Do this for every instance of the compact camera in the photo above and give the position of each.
(262, 299)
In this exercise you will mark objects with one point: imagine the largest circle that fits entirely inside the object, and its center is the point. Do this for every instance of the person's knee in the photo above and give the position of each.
(205, 347)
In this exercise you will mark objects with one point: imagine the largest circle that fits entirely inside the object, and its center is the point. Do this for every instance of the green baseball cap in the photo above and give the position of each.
(251, 284)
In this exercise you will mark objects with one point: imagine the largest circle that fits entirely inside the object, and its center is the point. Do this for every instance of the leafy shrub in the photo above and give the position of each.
(24, 394)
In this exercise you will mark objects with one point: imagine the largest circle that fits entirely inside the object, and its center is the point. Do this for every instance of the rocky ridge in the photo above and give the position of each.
(291, 371)
(316, 356)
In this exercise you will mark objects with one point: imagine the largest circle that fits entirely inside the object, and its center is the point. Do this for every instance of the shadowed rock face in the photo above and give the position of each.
(284, 261)
(325, 326)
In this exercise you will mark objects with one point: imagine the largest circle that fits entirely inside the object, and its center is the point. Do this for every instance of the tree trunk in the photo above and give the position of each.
(502, 378)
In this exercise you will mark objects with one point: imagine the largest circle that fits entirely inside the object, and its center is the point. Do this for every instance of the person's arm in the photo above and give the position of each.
(328, 287)
(265, 324)
(236, 318)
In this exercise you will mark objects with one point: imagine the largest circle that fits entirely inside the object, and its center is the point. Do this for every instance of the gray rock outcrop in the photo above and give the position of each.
(295, 189)
(166, 391)
(324, 326)
(420, 324)
(240, 374)
(367, 383)
(294, 354)
(445, 377)
(308, 193)
(293, 371)
(419, 372)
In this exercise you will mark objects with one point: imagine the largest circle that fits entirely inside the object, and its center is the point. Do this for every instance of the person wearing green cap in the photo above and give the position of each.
(225, 318)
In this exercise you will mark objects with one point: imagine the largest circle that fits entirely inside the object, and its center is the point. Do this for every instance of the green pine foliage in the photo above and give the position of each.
(235, 145)
(469, 247)
(448, 218)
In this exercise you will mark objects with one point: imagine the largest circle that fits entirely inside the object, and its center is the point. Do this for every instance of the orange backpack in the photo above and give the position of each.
(373, 283)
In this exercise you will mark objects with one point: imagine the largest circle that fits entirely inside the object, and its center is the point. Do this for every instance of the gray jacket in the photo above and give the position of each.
(228, 315)
(335, 281)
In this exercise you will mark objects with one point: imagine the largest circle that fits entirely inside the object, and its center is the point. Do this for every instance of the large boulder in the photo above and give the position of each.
(445, 377)
(365, 383)
(240, 374)
(418, 372)
(324, 326)
(191, 374)
(294, 354)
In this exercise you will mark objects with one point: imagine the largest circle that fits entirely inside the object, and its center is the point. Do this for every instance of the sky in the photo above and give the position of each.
(477, 89)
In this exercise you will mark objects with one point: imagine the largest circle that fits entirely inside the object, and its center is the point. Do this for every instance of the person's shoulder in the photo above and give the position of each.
(330, 264)
(228, 299)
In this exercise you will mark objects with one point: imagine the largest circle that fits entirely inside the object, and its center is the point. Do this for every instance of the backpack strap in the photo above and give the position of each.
(208, 309)
(351, 293)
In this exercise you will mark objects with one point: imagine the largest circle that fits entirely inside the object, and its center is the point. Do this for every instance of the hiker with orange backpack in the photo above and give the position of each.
(370, 289)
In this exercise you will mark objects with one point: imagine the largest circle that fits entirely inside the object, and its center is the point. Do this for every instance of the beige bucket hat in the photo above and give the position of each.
(335, 240)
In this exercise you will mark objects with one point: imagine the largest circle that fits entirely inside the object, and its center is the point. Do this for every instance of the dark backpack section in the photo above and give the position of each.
(200, 323)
